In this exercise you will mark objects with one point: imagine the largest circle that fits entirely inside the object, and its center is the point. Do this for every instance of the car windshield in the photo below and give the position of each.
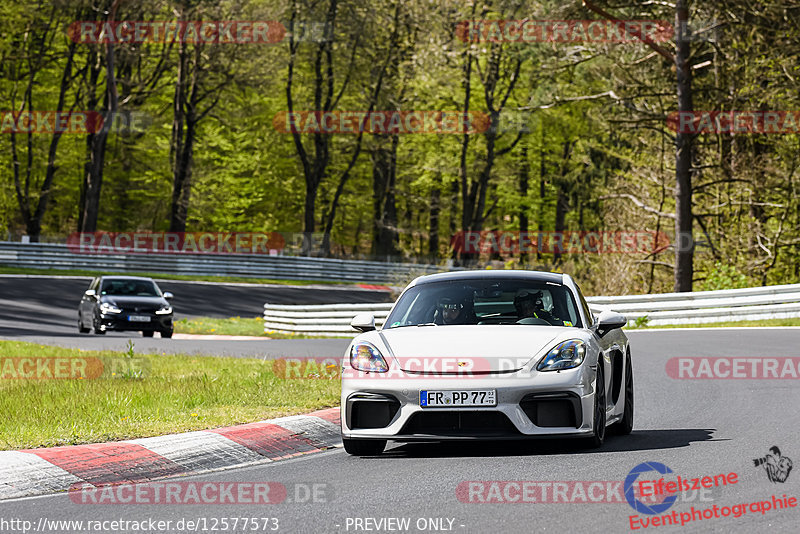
(486, 302)
(129, 288)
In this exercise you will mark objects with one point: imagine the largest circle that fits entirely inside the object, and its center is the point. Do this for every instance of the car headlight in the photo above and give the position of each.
(109, 308)
(365, 357)
(565, 355)
(164, 310)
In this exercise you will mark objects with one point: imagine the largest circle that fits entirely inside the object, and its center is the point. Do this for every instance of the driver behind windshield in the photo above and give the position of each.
(529, 304)
(451, 310)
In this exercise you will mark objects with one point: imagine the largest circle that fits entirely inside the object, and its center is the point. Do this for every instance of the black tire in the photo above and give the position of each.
(364, 447)
(624, 426)
(599, 416)
(147, 333)
(82, 329)
(166, 334)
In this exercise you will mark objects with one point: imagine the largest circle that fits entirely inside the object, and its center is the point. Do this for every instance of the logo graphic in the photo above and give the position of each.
(630, 484)
(777, 467)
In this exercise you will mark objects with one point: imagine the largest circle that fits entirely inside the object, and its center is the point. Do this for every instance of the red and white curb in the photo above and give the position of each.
(40, 471)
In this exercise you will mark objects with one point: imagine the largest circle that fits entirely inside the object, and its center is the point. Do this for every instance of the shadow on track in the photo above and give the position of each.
(639, 440)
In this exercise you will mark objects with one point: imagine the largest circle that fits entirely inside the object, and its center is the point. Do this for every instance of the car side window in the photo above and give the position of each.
(586, 308)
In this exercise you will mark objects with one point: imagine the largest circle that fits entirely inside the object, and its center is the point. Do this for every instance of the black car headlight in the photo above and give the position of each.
(109, 308)
(565, 355)
(366, 357)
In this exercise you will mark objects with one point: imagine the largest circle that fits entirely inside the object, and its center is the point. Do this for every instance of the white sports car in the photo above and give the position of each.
(486, 355)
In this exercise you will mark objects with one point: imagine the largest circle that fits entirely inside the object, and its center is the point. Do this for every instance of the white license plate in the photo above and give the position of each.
(461, 397)
(139, 318)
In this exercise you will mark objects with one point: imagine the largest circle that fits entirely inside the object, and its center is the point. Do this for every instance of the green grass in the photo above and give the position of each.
(163, 276)
(178, 393)
(234, 326)
(723, 324)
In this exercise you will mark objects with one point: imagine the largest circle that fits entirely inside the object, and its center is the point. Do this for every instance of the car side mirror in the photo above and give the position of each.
(363, 322)
(90, 292)
(609, 320)
(168, 295)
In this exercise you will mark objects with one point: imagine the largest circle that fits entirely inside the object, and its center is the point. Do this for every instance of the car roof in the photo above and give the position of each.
(115, 277)
(488, 274)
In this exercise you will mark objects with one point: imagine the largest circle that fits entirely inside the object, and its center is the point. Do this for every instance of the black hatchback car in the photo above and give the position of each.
(125, 303)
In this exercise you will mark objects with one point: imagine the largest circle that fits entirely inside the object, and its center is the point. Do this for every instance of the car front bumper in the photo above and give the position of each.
(535, 405)
(120, 322)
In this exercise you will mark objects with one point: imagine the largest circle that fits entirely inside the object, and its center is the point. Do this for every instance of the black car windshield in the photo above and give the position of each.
(486, 302)
(129, 288)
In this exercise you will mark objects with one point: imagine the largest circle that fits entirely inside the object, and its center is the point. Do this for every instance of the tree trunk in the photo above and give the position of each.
(384, 172)
(684, 242)
(524, 179)
(433, 222)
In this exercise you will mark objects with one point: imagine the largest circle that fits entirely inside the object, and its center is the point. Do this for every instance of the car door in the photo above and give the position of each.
(612, 347)
(87, 302)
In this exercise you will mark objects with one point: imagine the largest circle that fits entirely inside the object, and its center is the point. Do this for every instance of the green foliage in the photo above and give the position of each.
(724, 276)
(594, 143)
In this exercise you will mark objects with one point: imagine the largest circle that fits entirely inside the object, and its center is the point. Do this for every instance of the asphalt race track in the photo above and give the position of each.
(697, 428)
(44, 310)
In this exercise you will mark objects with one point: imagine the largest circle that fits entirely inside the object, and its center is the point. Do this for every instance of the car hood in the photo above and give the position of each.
(482, 348)
(133, 302)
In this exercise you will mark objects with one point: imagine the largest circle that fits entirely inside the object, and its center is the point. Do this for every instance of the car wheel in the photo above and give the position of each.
(82, 329)
(364, 447)
(625, 425)
(147, 333)
(166, 334)
(599, 417)
(97, 329)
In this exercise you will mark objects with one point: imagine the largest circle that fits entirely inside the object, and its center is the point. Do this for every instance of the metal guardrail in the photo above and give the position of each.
(755, 303)
(322, 320)
(58, 256)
